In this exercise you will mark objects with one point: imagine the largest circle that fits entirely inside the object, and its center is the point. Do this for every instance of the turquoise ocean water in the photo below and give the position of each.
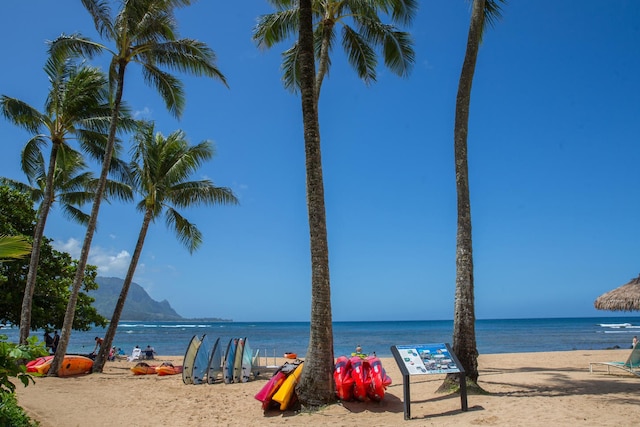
(276, 338)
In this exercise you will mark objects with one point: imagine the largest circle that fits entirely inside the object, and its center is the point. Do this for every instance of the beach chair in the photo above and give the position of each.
(135, 354)
(632, 365)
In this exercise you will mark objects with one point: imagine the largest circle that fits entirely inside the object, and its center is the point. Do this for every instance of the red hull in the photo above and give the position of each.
(343, 379)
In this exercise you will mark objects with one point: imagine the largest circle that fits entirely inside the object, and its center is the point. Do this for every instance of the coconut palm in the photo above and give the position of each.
(362, 34)
(464, 336)
(144, 32)
(77, 107)
(161, 168)
(316, 384)
(14, 247)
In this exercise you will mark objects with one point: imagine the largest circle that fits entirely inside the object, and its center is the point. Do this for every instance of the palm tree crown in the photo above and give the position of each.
(362, 34)
(161, 168)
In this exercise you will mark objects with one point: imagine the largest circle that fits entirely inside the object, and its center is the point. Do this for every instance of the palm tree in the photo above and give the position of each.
(144, 32)
(360, 40)
(464, 336)
(14, 247)
(316, 383)
(77, 107)
(161, 169)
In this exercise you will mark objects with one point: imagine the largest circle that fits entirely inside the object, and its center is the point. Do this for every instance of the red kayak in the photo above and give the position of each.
(361, 378)
(343, 379)
(31, 366)
(379, 379)
(168, 369)
(270, 388)
(143, 369)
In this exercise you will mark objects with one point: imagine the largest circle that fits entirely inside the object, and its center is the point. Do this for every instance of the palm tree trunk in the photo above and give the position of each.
(98, 365)
(65, 332)
(316, 383)
(323, 61)
(464, 335)
(32, 275)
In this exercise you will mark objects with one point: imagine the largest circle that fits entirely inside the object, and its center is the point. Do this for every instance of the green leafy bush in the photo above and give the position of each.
(13, 415)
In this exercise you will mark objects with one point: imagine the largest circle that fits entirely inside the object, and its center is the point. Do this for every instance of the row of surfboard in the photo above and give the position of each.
(206, 363)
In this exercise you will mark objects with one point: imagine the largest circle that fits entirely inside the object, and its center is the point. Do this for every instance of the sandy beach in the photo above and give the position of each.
(525, 389)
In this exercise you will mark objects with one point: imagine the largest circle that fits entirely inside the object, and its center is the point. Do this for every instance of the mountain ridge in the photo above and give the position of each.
(139, 306)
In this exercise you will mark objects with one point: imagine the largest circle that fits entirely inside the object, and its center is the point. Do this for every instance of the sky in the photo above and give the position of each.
(553, 157)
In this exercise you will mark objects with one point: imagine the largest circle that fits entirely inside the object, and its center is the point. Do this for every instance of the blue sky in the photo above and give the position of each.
(553, 154)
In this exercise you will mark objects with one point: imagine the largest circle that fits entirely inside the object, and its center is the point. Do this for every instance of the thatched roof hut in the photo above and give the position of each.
(624, 298)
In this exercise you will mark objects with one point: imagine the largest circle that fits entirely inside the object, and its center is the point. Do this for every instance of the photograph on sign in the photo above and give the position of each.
(425, 359)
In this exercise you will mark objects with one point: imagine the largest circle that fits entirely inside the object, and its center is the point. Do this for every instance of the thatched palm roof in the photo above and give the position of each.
(624, 298)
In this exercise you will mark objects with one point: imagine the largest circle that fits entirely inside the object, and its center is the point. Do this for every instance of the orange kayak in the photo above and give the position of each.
(168, 370)
(71, 365)
(143, 369)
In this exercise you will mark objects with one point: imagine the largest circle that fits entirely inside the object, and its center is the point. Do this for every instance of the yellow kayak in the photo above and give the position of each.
(285, 392)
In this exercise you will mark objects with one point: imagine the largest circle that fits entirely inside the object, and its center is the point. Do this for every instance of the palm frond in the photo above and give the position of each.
(187, 233)
(360, 54)
(276, 27)
(100, 11)
(188, 56)
(14, 247)
(169, 87)
(291, 68)
(21, 114)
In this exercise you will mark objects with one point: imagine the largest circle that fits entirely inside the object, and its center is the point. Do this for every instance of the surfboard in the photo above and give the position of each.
(201, 361)
(247, 361)
(215, 363)
(237, 364)
(189, 359)
(285, 392)
(229, 359)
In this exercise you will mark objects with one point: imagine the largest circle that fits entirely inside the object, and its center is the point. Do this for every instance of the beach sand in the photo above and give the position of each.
(525, 389)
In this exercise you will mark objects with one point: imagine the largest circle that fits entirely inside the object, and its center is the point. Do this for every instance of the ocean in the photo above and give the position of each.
(276, 338)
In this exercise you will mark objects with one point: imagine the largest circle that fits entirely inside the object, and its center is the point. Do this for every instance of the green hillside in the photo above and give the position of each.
(139, 305)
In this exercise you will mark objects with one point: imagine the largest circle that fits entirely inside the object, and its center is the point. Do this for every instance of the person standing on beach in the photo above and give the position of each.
(634, 342)
(48, 341)
(54, 343)
(98, 344)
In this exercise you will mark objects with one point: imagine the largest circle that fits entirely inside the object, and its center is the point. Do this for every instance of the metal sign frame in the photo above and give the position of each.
(427, 359)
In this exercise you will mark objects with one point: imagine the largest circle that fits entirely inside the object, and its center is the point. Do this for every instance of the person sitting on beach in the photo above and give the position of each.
(149, 352)
(359, 352)
(634, 342)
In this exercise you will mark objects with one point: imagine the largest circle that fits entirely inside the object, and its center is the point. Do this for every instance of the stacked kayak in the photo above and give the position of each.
(359, 379)
(71, 365)
(279, 391)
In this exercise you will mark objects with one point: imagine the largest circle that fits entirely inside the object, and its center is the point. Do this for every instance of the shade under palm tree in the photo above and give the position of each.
(624, 298)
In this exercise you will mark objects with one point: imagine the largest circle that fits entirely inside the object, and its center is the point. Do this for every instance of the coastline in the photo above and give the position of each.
(524, 389)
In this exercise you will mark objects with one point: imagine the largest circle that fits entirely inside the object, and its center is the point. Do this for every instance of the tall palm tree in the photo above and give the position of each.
(316, 384)
(161, 169)
(77, 107)
(363, 34)
(144, 32)
(464, 336)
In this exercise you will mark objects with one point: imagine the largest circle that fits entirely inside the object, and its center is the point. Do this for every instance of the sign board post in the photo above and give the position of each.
(427, 359)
